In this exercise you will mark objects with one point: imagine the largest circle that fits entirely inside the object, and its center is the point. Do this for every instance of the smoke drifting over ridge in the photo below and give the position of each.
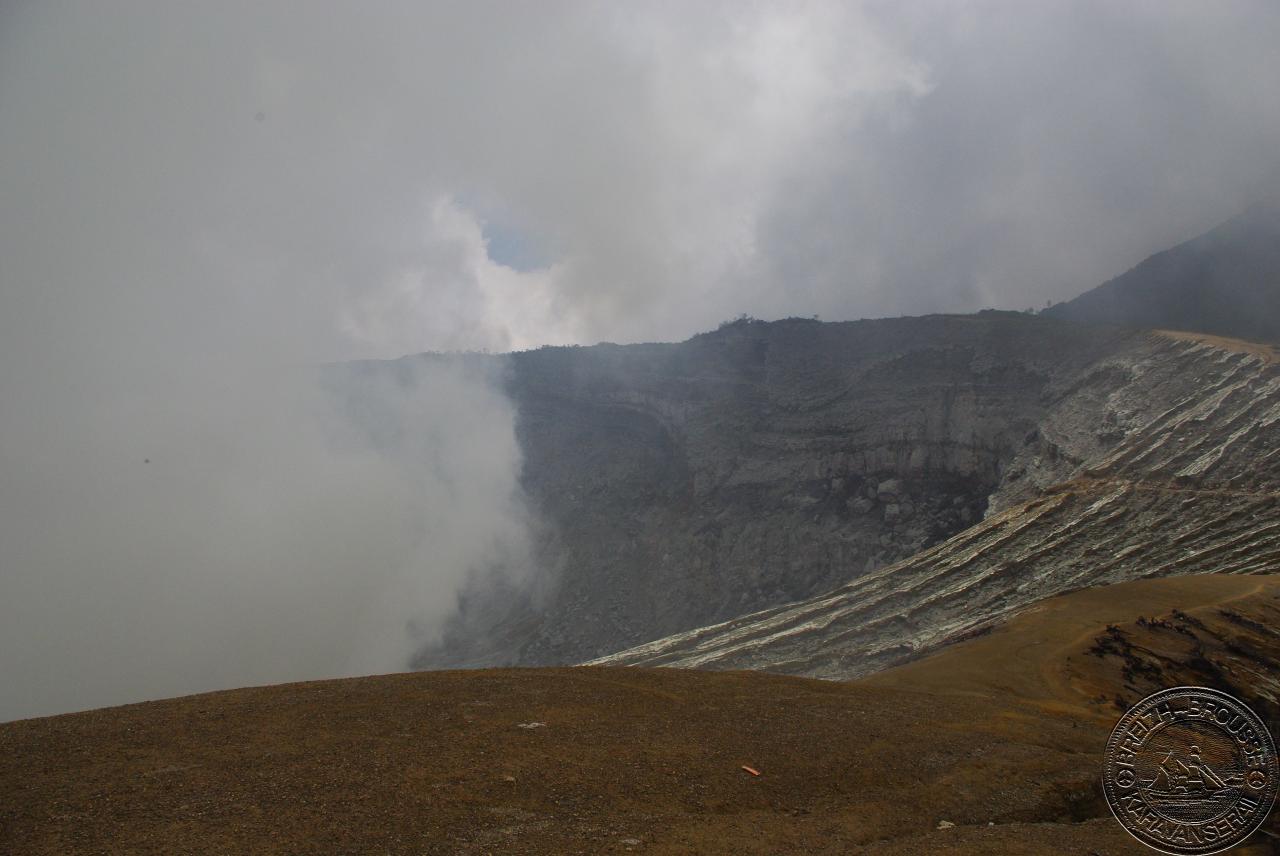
(184, 504)
(165, 535)
(672, 164)
(198, 202)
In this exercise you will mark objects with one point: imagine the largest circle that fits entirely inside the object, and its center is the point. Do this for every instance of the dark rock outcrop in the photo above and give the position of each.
(798, 481)
(1225, 282)
(760, 464)
(1190, 487)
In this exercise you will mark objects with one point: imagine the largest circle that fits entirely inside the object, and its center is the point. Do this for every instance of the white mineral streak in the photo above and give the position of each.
(1191, 491)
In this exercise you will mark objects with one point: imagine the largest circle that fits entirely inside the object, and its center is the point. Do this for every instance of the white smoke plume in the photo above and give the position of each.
(174, 529)
(199, 201)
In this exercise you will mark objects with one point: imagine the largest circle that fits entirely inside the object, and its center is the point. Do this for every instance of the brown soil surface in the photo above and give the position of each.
(1000, 735)
(1266, 352)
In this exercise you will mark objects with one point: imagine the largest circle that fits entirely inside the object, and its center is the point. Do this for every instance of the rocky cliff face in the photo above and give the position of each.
(684, 484)
(1160, 458)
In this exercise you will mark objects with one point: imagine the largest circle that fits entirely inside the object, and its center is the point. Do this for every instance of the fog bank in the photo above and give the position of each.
(200, 203)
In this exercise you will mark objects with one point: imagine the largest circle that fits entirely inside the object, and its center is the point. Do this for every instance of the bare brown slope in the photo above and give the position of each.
(1064, 653)
(999, 735)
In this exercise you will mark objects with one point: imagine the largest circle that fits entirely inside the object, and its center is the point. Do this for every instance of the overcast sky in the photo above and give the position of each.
(198, 200)
(387, 178)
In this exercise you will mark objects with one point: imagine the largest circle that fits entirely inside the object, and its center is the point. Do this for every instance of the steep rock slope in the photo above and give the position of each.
(1189, 487)
(682, 484)
(1226, 282)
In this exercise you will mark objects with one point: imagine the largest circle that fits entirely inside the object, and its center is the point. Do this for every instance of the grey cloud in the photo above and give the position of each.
(197, 199)
(1061, 143)
(679, 163)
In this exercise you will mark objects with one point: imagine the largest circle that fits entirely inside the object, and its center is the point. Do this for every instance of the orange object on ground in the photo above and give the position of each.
(751, 770)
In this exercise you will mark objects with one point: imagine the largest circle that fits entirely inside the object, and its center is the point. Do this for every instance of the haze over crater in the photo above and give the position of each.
(198, 201)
